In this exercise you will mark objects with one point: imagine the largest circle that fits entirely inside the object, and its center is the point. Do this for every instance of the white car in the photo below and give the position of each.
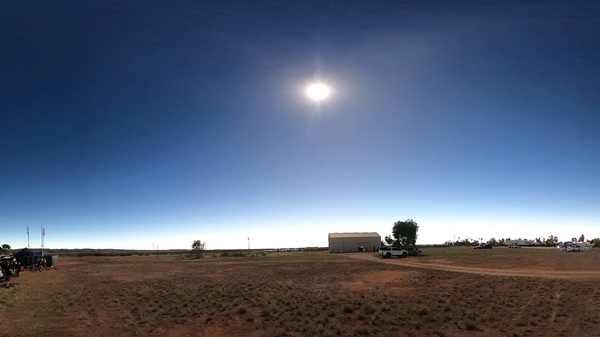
(386, 252)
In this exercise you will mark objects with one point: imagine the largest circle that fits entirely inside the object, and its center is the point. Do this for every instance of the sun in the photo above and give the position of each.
(318, 91)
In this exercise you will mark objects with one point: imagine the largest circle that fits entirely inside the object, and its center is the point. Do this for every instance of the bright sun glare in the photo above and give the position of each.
(318, 91)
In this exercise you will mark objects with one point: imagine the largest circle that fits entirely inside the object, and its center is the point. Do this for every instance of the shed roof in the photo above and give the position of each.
(354, 235)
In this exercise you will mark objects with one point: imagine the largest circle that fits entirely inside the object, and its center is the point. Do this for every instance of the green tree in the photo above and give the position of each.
(389, 240)
(492, 241)
(198, 248)
(551, 240)
(5, 249)
(405, 232)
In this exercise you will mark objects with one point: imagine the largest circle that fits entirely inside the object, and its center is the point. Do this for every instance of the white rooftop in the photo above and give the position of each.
(355, 235)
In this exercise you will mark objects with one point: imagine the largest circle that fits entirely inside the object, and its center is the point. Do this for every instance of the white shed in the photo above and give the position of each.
(354, 242)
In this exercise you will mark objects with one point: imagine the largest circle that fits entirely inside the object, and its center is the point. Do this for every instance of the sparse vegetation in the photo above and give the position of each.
(471, 326)
(369, 309)
(325, 295)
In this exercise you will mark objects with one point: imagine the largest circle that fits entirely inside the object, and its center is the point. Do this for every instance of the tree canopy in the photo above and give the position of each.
(405, 233)
(198, 248)
(198, 245)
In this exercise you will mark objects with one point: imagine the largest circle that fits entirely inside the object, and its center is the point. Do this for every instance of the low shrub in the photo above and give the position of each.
(471, 326)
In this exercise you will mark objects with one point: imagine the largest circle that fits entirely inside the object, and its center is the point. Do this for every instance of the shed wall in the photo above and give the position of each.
(352, 244)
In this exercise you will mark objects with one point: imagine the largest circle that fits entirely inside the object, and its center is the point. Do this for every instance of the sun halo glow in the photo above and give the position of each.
(318, 91)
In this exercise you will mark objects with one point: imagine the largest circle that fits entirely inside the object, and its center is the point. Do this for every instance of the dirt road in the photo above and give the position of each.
(518, 272)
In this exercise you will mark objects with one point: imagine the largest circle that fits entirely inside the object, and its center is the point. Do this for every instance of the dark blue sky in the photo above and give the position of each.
(125, 123)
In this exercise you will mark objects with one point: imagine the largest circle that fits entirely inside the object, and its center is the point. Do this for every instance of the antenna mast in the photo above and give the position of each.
(43, 236)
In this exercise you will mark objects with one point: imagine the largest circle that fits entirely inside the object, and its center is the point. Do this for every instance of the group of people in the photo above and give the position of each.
(9, 266)
(41, 264)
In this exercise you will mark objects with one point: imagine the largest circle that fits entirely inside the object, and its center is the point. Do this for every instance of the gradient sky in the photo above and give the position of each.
(128, 123)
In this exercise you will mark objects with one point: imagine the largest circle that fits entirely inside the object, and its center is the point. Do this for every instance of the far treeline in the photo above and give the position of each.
(551, 240)
(81, 252)
(405, 234)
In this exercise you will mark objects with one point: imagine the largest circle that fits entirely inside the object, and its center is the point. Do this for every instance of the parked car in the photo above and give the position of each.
(413, 251)
(514, 245)
(386, 252)
(483, 247)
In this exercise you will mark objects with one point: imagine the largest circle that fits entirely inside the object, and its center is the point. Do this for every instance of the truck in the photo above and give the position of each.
(387, 252)
(573, 246)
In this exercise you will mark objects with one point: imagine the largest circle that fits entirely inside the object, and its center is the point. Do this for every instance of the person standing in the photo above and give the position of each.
(38, 265)
(6, 271)
(16, 267)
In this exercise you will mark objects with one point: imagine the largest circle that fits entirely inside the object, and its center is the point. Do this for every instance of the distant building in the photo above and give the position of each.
(353, 242)
(520, 242)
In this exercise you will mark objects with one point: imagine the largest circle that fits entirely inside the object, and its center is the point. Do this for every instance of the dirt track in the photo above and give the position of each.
(581, 275)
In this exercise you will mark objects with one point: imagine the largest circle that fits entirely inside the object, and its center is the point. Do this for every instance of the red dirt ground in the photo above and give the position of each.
(500, 293)
(584, 269)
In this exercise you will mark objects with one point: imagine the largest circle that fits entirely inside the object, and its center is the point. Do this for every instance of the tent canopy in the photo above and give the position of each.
(24, 252)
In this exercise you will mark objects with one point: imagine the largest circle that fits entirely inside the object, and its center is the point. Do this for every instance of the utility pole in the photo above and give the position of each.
(43, 235)
(27, 237)
(248, 243)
